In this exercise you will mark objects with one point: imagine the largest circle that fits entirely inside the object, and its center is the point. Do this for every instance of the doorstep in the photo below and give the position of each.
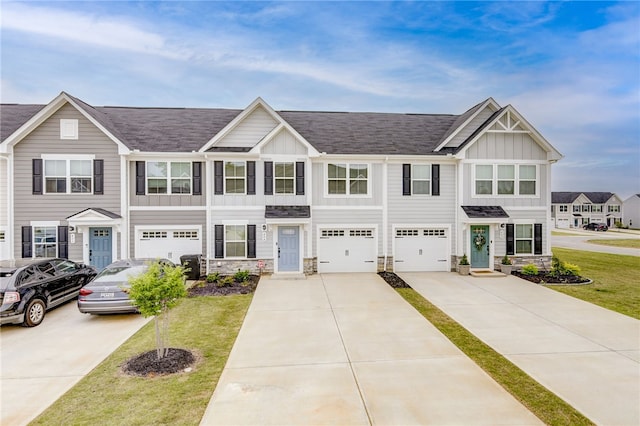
(288, 276)
(486, 273)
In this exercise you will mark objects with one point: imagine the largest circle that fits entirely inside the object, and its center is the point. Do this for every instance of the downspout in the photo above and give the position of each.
(9, 207)
(207, 197)
(385, 214)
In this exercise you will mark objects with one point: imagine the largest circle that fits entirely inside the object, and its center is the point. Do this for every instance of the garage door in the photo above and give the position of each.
(168, 243)
(347, 250)
(422, 249)
(562, 223)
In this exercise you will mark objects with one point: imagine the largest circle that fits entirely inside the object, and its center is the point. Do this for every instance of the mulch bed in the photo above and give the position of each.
(147, 364)
(546, 278)
(393, 280)
(203, 288)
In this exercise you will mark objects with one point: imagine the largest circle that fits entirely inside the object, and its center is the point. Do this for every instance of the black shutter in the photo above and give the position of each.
(268, 178)
(510, 239)
(36, 167)
(196, 178)
(219, 244)
(406, 179)
(251, 241)
(435, 179)
(26, 242)
(98, 177)
(299, 177)
(140, 178)
(251, 178)
(63, 242)
(537, 238)
(218, 173)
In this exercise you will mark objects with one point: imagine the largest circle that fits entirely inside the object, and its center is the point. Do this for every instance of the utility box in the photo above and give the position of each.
(191, 262)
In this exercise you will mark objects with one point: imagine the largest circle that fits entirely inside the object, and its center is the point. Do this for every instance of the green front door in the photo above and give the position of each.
(479, 246)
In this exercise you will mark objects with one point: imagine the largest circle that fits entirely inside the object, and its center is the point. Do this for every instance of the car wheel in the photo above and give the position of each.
(34, 313)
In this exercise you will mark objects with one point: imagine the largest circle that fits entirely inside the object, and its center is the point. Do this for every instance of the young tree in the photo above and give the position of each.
(154, 293)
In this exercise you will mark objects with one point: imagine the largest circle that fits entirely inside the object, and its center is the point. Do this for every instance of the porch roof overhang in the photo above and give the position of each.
(287, 212)
(577, 215)
(95, 216)
(485, 212)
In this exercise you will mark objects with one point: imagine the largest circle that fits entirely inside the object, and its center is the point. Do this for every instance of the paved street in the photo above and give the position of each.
(578, 241)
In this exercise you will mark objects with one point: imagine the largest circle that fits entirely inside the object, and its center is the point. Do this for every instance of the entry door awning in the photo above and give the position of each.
(95, 216)
(485, 212)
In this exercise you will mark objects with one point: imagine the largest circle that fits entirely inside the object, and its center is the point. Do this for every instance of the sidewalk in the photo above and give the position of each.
(587, 355)
(347, 349)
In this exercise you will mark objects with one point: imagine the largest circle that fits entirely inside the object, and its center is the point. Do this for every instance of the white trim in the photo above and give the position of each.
(68, 156)
(44, 223)
(85, 230)
(525, 208)
(227, 208)
(68, 129)
(385, 214)
(449, 236)
(139, 228)
(166, 208)
(276, 259)
(487, 103)
(495, 180)
(375, 207)
(125, 194)
(224, 178)
(347, 180)
(167, 178)
(208, 203)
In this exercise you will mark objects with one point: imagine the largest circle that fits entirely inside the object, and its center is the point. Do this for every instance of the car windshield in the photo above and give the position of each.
(120, 273)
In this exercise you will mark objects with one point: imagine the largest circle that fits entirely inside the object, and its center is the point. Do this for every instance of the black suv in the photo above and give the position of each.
(30, 287)
(593, 226)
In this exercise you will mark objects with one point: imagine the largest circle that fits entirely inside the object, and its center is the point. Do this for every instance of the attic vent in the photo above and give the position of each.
(68, 128)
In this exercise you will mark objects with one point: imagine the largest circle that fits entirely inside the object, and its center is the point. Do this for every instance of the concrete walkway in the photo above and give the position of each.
(587, 355)
(347, 349)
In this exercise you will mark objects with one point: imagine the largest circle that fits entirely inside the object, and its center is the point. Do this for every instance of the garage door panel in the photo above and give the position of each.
(421, 249)
(168, 243)
(347, 250)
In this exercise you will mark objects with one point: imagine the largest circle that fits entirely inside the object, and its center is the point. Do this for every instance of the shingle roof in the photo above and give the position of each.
(570, 197)
(487, 212)
(599, 197)
(12, 116)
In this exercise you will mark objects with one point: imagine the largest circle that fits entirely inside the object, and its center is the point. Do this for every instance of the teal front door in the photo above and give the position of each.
(288, 249)
(479, 246)
(100, 247)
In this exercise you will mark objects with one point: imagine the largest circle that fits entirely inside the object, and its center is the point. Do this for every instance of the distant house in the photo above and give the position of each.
(631, 211)
(575, 209)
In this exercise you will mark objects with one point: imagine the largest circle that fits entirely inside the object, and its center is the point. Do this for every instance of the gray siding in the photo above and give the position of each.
(357, 217)
(4, 192)
(470, 128)
(284, 143)
(251, 130)
(319, 181)
(166, 218)
(422, 209)
(177, 200)
(46, 140)
(518, 216)
(264, 248)
(506, 146)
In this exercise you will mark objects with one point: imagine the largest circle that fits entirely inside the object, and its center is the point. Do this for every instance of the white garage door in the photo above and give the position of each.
(347, 250)
(422, 249)
(562, 223)
(168, 243)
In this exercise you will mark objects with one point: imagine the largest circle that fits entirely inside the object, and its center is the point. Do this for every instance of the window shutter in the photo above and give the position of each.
(537, 238)
(36, 166)
(63, 242)
(251, 178)
(251, 241)
(406, 179)
(218, 174)
(140, 178)
(98, 177)
(511, 238)
(219, 243)
(196, 178)
(299, 177)
(268, 178)
(435, 179)
(26, 242)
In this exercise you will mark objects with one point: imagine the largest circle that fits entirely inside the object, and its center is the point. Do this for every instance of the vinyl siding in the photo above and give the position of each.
(506, 146)
(354, 218)
(166, 218)
(46, 140)
(470, 128)
(162, 200)
(517, 216)
(421, 209)
(264, 249)
(284, 143)
(374, 198)
(250, 131)
(4, 197)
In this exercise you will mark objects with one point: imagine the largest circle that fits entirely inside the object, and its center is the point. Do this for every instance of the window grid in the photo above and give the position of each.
(614, 208)
(332, 233)
(45, 241)
(347, 179)
(524, 239)
(434, 232)
(168, 177)
(284, 176)
(100, 232)
(421, 179)
(361, 233)
(68, 176)
(235, 176)
(235, 241)
(563, 209)
(193, 235)
(505, 179)
(2, 236)
(149, 235)
(406, 232)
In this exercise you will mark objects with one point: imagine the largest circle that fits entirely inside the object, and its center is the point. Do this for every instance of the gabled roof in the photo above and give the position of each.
(570, 197)
(599, 197)
(464, 119)
(14, 116)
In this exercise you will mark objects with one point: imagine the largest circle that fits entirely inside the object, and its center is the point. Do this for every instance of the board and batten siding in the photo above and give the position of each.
(264, 248)
(356, 218)
(164, 200)
(374, 198)
(468, 130)
(517, 216)
(45, 139)
(506, 146)
(249, 131)
(421, 209)
(284, 143)
(166, 219)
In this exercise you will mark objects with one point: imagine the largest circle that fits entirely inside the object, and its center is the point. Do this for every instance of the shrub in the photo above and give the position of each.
(214, 277)
(241, 276)
(530, 269)
(464, 260)
(506, 260)
(560, 268)
(225, 282)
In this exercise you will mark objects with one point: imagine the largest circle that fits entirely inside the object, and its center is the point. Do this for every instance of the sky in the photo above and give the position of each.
(572, 69)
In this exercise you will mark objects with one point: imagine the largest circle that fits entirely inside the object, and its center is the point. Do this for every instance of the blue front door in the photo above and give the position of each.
(99, 247)
(479, 246)
(288, 249)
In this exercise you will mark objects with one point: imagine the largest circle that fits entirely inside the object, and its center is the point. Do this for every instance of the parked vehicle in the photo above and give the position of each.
(107, 294)
(30, 287)
(593, 226)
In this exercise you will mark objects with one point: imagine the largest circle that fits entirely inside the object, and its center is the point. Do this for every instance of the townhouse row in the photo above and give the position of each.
(283, 191)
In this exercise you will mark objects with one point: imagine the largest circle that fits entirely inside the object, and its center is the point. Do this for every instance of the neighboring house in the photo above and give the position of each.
(293, 191)
(631, 211)
(576, 209)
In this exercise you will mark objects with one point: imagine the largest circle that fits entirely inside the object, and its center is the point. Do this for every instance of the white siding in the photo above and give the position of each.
(347, 217)
(284, 143)
(374, 198)
(470, 128)
(250, 131)
(166, 218)
(4, 193)
(264, 248)
(506, 146)
(517, 216)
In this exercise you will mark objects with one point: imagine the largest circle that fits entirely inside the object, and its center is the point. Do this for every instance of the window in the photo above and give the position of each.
(192, 235)
(68, 176)
(505, 179)
(368, 233)
(524, 239)
(421, 179)
(234, 177)
(284, 178)
(168, 177)
(148, 235)
(355, 182)
(576, 209)
(596, 208)
(2, 236)
(45, 241)
(586, 208)
(563, 209)
(406, 232)
(326, 233)
(235, 241)
(613, 208)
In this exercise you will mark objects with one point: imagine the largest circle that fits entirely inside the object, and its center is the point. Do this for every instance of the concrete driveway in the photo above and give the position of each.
(578, 240)
(347, 349)
(40, 364)
(587, 355)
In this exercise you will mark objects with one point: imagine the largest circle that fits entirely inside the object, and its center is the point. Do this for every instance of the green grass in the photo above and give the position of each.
(543, 403)
(206, 325)
(628, 243)
(615, 280)
(564, 234)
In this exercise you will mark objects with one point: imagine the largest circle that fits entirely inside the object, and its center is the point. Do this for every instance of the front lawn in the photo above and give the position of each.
(207, 325)
(615, 280)
(628, 243)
